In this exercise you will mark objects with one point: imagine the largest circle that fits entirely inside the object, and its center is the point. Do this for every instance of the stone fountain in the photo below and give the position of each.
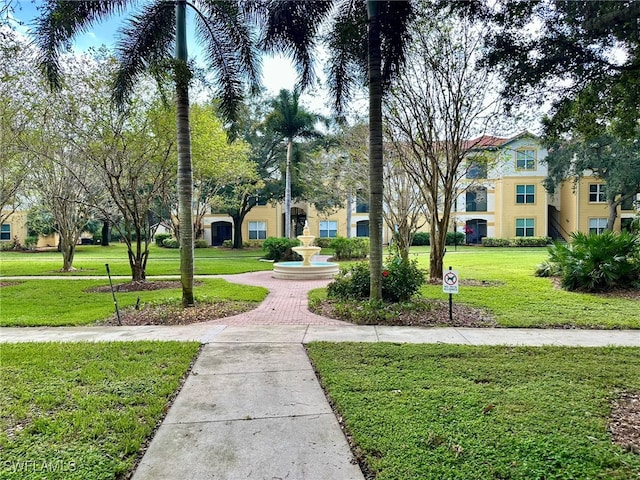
(306, 269)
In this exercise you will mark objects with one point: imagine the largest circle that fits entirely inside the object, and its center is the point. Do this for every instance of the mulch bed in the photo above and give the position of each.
(436, 316)
(139, 286)
(177, 315)
(168, 314)
(624, 423)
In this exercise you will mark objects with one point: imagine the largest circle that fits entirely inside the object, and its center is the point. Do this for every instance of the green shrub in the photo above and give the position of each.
(457, 238)
(516, 242)
(351, 283)
(401, 280)
(200, 244)
(323, 242)
(279, 249)
(171, 243)
(597, 262)
(31, 242)
(496, 242)
(6, 246)
(227, 244)
(350, 248)
(548, 269)
(421, 239)
(160, 238)
(531, 241)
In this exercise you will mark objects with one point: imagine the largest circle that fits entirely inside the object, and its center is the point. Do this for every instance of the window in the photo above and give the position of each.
(525, 227)
(328, 229)
(525, 193)
(362, 228)
(526, 159)
(362, 201)
(477, 170)
(5, 232)
(596, 193)
(629, 203)
(597, 225)
(476, 200)
(257, 230)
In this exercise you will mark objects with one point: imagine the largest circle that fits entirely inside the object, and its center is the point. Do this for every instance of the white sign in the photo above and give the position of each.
(450, 281)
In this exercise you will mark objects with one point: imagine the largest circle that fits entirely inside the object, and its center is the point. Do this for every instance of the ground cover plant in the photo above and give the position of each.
(498, 286)
(595, 263)
(84, 410)
(91, 259)
(76, 301)
(466, 412)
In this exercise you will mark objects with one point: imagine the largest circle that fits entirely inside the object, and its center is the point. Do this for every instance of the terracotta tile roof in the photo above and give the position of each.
(485, 141)
(488, 141)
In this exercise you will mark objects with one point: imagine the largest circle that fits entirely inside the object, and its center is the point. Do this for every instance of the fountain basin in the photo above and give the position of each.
(298, 271)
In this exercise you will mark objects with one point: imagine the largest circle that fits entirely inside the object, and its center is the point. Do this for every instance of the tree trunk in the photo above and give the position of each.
(106, 232)
(436, 254)
(238, 220)
(613, 214)
(349, 204)
(375, 151)
(287, 192)
(185, 170)
(68, 249)
(137, 263)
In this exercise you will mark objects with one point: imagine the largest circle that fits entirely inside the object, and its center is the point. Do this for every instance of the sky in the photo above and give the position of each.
(278, 72)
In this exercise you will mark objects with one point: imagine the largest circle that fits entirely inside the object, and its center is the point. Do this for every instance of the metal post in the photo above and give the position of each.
(113, 294)
(450, 304)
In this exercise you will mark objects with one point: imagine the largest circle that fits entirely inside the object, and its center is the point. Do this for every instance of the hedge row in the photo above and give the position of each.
(424, 238)
(516, 242)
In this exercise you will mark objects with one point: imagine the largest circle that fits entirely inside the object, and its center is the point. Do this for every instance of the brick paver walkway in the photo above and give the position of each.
(286, 303)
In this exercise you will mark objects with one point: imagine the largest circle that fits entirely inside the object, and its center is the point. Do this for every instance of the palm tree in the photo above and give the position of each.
(145, 45)
(366, 38)
(290, 120)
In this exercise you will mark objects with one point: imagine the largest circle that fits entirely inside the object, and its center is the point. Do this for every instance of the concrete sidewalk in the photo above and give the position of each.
(252, 406)
(250, 411)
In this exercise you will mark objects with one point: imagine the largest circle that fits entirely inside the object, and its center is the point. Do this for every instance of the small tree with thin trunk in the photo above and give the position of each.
(405, 212)
(440, 103)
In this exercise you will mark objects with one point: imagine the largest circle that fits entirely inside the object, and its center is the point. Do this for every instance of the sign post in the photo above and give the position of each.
(450, 286)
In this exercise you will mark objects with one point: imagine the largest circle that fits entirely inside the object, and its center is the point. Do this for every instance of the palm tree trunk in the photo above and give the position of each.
(185, 170)
(375, 151)
(287, 192)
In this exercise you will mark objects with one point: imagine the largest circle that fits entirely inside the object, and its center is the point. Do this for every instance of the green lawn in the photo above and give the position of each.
(523, 300)
(460, 412)
(84, 410)
(90, 260)
(67, 302)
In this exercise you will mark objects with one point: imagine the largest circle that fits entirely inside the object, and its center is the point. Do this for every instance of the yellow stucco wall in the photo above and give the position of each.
(18, 224)
(511, 210)
(577, 209)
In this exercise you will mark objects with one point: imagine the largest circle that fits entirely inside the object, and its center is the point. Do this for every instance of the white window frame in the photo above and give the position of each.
(5, 229)
(597, 194)
(528, 224)
(597, 225)
(257, 230)
(525, 159)
(526, 195)
(325, 228)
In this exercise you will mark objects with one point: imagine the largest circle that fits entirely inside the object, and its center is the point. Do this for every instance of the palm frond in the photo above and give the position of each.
(224, 30)
(146, 40)
(347, 45)
(60, 22)
(292, 29)
(395, 18)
